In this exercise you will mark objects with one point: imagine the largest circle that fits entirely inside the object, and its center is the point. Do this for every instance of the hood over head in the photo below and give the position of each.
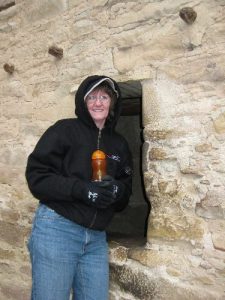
(88, 85)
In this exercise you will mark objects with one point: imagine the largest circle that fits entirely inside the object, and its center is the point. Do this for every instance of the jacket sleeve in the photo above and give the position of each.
(125, 177)
(43, 171)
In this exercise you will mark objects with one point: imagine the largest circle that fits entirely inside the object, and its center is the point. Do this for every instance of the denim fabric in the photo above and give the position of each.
(65, 256)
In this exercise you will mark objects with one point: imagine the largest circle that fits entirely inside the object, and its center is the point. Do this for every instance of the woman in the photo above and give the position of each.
(68, 245)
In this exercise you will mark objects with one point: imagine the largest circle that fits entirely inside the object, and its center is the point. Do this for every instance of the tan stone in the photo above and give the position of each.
(211, 206)
(157, 154)
(151, 184)
(13, 234)
(173, 272)
(11, 175)
(154, 258)
(206, 280)
(26, 269)
(6, 126)
(6, 254)
(118, 253)
(219, 124)
(156, 134)
(217, 228)
(168, 187)
(10, 216)
(195, 170)
(162, 134)
(203, 147)
(214, 197)
(10, 291)
(44, 9)
(175, 227)
(151, 112)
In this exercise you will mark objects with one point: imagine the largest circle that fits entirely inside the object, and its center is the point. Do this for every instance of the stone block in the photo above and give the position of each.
(209, 212)
(151, 113)
(13, 234)
(156, 135)
(118, 254)
(152, 284)
(217, 228)
(175, 227)
(11, 291)
(203, 147)
(211, 206)
(10, 216)
(9, 128)
(6, 254)
(157, 154)
(36, 11)
(219, 124)
(134, 282)
(13, 175)
(169, 187)
(153, 258)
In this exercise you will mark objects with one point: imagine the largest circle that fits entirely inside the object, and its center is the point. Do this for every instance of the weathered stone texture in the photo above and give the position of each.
(181, 69)
(136, 282)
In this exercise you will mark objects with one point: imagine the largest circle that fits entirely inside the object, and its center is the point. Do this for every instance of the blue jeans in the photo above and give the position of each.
(66, 256)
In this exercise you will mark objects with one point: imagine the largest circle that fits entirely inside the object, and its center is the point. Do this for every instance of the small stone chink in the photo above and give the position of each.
(9, 68)
(188, 15)
(55, 51)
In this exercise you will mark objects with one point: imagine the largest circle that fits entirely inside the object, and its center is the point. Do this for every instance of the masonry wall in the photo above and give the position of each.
(181, 67)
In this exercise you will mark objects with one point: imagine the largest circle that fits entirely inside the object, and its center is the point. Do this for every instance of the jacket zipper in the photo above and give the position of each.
(99, 137)
(98, 145)
(93, 220)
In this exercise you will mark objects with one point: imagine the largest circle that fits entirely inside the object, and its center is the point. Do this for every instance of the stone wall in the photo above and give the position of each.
(181, 67)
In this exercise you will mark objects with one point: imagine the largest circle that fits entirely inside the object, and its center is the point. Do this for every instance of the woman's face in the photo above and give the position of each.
(98, 103)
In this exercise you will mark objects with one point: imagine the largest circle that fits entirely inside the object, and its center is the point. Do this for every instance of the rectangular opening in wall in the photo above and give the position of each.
(132, 222)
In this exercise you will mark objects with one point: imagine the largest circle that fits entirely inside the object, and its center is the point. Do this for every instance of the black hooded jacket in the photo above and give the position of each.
(61, 162)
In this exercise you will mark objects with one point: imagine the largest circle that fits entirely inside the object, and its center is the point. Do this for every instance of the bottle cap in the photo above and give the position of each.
(98, 154)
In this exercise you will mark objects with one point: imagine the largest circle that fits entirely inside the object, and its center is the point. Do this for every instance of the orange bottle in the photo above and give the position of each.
(98, 162)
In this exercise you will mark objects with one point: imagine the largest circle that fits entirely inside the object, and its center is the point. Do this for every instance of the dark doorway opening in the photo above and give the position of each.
(132, 222)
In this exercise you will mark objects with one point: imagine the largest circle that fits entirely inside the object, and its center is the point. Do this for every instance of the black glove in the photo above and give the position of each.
(115, 186)
(97, 195)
